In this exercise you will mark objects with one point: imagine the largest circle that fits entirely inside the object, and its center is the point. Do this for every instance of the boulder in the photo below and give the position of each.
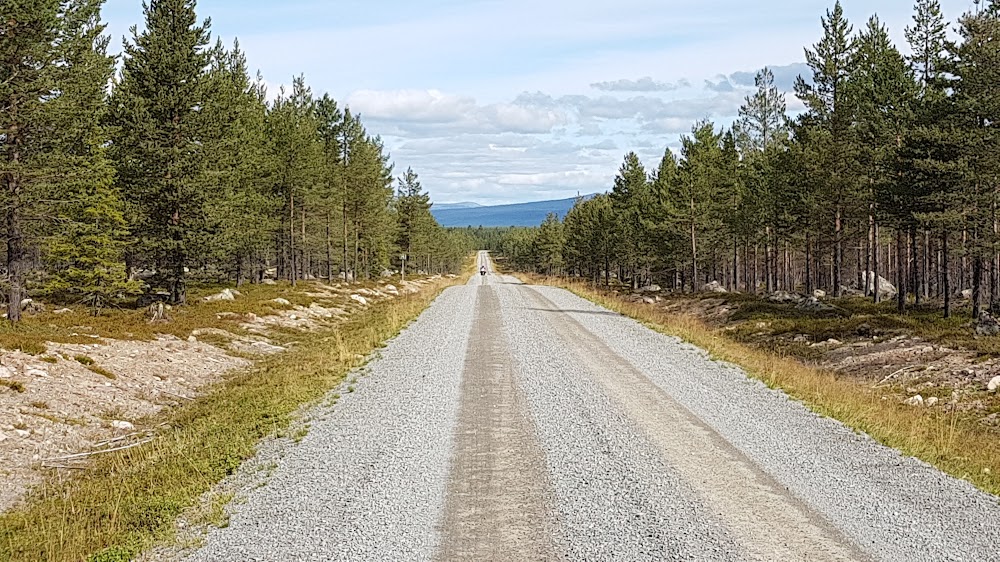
(122, 425)
(916, 400)
(648, 300)
(993, 385)
(225, 295)
(932, 401)
(784, 297)
(360, 300)
(813, 304)
(819, 294)
(987, 325)
(62, 311)
(885, 288)
(392, 290)
(269, 282)
(281, 301)
(650, 289)
(714, 287)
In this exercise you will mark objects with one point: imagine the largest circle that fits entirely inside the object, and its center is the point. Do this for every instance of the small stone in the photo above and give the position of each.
(122, 425)
(22, 433)
(36, 373)
(932, 401)
(994, 384)
(192, 339)
(360, 300)
(62, 311)
(282, 301)
(649, 300)
(917, 400)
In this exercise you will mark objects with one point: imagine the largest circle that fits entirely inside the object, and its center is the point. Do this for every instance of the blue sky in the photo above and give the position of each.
(499, 101)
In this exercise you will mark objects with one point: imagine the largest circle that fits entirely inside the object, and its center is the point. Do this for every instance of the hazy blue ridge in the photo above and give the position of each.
(519, 214)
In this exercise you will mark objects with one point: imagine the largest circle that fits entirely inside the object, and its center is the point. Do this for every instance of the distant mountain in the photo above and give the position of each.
(462, 205)
(519, 214)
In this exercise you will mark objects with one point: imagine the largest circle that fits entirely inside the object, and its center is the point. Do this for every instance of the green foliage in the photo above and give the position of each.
(159, 148)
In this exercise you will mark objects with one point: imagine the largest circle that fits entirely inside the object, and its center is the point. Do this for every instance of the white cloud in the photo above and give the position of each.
(645, 84)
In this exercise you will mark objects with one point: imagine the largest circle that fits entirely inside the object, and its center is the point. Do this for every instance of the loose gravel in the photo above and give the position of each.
(894, 507)
(371, 480)
(368, 481)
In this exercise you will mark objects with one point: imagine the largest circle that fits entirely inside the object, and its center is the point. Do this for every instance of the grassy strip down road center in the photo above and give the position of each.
(949, 440)
(128, 500)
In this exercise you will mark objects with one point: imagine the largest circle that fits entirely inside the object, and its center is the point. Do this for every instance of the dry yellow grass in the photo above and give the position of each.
(953, 442)
(127, 500)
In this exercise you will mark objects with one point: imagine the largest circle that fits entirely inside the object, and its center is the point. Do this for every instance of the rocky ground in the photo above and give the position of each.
(916, 361)
(60, 407)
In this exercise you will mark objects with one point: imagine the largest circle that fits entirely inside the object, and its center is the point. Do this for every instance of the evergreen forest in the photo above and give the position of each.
(888, 179)
(171, 163)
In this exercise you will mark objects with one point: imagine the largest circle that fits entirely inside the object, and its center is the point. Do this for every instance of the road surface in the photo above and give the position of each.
(515, 422)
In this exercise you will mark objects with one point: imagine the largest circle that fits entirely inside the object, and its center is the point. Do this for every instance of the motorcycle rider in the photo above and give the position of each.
(482, 270)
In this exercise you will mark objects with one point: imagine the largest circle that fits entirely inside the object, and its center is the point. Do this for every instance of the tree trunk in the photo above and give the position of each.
(329, 250)
(838, 251)
(877, 298)
(900, 271)
(945, 277)
(809, 280)
(694, 251)
(291, 237)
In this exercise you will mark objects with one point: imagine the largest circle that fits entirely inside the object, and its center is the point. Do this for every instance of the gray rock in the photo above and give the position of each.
(994, 384)
(814, 305)
(282, 301)
(225, 295)
(714, 287)
(784, 297)
(885, 288)
(819, 294)
(650, 289)
(987, 325)
(122, 425)
(916, 400)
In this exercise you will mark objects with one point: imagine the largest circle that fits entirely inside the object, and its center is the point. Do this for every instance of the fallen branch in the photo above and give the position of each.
(79, 456)
(176, 395)
(906, 369)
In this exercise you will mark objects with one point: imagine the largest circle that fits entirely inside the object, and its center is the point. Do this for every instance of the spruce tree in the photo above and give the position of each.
(85, 255)
(159, 148)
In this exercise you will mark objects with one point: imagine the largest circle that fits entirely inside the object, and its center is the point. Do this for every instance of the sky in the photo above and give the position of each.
(506, 101)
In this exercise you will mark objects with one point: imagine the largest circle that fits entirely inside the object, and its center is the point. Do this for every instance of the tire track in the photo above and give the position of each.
(497, 505)
(740, 493)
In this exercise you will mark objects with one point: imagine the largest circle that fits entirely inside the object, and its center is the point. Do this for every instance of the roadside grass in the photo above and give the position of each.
(952, 441)
(128, 500)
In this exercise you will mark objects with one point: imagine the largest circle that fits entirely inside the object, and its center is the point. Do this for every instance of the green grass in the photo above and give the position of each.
(83, 360)
(126, 501)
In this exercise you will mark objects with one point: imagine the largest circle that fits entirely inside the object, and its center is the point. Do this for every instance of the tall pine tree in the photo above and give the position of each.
(159, 148)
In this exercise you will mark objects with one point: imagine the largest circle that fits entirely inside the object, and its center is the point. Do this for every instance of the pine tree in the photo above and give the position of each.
(416, 224)
(85, 256)
(828, 107)
(698, 196)
(159, 150)
(630, 198)
(28, 47)
(977, 110)
(238, 164)
(883, 91)
(293, 131)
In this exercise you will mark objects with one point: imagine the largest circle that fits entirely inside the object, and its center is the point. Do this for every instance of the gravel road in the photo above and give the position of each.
(513, 422)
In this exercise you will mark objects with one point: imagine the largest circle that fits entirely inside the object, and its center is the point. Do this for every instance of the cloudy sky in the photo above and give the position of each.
(499, 101)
